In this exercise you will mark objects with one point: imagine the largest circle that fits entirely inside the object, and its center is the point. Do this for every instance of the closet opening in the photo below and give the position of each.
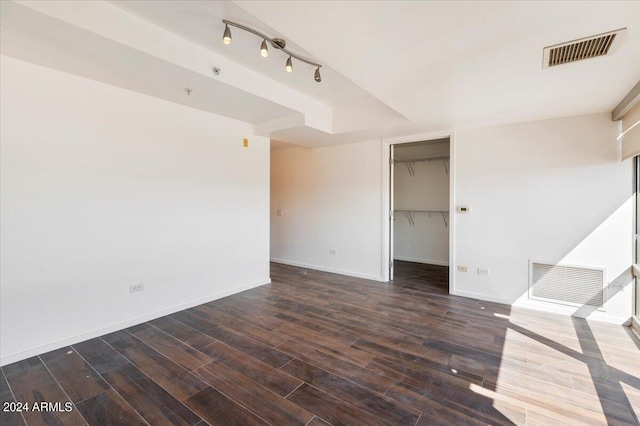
(419, 216)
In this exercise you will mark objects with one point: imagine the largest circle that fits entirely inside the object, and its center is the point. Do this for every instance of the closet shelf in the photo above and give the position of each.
(409, 163)
(411, 213)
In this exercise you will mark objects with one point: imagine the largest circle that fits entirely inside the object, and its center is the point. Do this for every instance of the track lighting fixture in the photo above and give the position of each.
(276, 43)
(226, 37)
(263, 49)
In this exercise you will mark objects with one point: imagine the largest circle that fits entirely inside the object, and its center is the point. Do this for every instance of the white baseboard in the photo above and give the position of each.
(427, 261)
(480, 296)
(332, 270)
(635, 326)
(554, 308)
(18, 356)
(542, 307)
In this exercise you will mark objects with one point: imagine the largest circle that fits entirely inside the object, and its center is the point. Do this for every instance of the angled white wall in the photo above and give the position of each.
(103, 188)
(330, 199)
(552, 191)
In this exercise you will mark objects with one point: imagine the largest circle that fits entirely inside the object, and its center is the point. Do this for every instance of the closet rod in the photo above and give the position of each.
(410, 213)
(417, 160)
(421, 211)
(410, 163)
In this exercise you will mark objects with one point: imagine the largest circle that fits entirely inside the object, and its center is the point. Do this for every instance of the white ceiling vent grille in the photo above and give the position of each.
(567, 285)
(584, 48)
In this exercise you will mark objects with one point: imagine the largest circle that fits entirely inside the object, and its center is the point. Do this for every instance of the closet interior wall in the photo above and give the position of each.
(421, 202)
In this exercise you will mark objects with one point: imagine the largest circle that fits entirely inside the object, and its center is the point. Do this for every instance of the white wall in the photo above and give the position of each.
(103, 188)
(331, 200)
(428, 240)
(552, 191)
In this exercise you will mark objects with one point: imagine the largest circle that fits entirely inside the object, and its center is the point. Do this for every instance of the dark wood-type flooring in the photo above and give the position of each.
(314, 348)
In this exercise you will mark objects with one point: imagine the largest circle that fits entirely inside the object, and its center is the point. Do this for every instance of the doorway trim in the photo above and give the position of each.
(386, 191)
(635, 294)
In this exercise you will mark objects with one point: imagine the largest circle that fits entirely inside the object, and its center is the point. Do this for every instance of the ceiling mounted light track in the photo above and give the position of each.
(276, 43)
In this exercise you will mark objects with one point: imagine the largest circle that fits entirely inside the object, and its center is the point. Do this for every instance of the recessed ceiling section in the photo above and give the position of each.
(312, 138)
(277, 145)
(364, 113)
(201, 22)
(35, 37)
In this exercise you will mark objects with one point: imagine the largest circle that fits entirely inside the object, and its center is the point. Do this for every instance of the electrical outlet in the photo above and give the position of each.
(332, 251)
(136, 288)
(462, 268)
(483, 271)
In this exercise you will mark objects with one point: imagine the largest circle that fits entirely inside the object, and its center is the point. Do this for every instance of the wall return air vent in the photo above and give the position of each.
(584, 48)
(567, 285)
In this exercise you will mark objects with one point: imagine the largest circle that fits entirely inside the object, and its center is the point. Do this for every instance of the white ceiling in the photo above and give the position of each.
(391, 68)
(460, 64)
(201, 22)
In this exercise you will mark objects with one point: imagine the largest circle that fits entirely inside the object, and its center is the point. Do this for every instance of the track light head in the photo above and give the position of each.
(263, 49)
(316, 75)
(226, 37)
(289, 66)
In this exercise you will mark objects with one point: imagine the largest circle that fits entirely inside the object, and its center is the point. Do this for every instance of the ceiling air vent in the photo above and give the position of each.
(567, 285)
(584, 48)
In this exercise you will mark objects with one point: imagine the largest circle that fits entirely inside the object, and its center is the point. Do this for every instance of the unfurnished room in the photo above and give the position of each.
(319, 212)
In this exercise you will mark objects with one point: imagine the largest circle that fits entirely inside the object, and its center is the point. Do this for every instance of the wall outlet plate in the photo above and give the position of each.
(332, 251)
(483, 271)
(462, 268)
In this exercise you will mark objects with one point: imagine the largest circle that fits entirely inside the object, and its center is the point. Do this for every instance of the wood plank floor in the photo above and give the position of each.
(314, 348)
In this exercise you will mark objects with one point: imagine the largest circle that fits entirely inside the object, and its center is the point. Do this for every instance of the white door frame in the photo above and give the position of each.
(386, 205)
(391, 216)
(635, 317)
